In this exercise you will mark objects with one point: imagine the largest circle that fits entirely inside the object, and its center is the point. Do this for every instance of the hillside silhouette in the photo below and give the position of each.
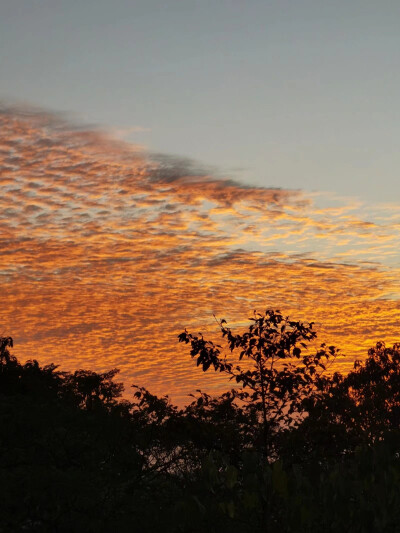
(293, 447)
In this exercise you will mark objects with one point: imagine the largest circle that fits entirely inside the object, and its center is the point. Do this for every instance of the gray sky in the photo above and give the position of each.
(293, 94)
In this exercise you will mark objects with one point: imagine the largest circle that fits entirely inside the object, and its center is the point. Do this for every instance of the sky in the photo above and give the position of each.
(161, 162)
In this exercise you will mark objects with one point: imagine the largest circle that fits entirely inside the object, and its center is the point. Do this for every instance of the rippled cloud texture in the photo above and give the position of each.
(107, 253)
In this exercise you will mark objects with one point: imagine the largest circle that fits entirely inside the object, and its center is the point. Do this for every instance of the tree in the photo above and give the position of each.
(92, 389)
(5, 343)
(359, 409)
(374, 387)
(280, 375)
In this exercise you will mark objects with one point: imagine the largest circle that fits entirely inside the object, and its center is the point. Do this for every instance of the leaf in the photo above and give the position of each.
(296, 352)
(231, 476)
(230, 509)
(279, 479)
(200, 506)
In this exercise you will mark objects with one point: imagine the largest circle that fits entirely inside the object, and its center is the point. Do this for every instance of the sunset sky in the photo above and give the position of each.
(161, 162)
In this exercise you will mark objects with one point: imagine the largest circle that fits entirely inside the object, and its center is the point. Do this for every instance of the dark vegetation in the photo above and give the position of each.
(293, 448)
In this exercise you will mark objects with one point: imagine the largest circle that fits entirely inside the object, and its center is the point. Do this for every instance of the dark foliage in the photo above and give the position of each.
(293, 449)
(282, 374)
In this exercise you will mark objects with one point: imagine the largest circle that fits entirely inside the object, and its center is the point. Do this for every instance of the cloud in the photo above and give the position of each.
(123, 133)
(108, 252)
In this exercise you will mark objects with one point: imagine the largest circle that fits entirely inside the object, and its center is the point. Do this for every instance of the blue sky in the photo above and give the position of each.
(275, 93)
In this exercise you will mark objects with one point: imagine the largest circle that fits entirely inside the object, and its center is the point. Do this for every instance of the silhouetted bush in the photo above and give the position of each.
(291, 450)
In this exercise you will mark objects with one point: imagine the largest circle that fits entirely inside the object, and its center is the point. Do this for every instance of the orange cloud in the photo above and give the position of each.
(108, 253)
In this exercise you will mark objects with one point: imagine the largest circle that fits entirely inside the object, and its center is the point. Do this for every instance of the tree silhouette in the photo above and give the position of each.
(5, 343)
(291, 449)
(281, 376)
(92, 389)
